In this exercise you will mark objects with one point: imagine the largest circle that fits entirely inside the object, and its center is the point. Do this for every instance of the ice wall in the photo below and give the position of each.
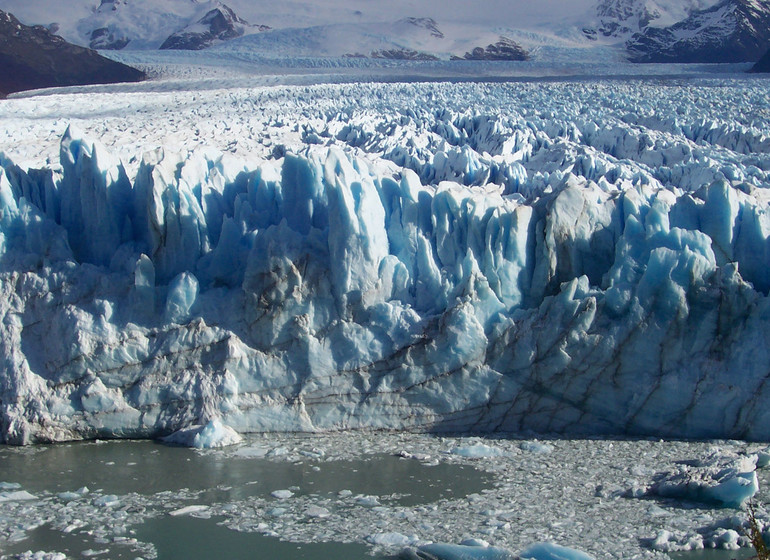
(468, 291)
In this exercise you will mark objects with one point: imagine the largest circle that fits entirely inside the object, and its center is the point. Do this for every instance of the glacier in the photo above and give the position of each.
(428, 268)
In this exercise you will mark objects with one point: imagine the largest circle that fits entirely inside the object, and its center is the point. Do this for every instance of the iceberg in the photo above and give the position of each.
(319, 292)
(213, 434)
(721, 480)
(550, 551)
(442, 551)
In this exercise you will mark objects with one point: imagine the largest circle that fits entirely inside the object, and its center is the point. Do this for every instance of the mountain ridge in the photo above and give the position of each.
(637, 30)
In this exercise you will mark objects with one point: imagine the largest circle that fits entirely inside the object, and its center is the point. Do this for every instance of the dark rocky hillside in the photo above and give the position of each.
(763, 64)
(33, 57)
(504, 49)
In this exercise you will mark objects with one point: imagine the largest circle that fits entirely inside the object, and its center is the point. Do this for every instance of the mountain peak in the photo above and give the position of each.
(426, 23)
(218, 24)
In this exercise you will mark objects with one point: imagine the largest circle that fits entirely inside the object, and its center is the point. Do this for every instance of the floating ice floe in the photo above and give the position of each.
(763, 457)
(107, 500)
(17, 495)
(214, 434)
(392, 539)
(440, 551)
(535, 447)
(550, 551)
(477, 451)
(77, 494)
(40, 555)
(368, 501)
(724, 480)
(731, 533)
(188, 510)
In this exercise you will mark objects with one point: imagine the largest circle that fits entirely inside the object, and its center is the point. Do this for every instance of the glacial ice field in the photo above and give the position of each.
(577, 257)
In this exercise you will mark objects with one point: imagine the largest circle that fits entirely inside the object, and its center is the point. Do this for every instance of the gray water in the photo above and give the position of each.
(189, 538)
(353, 496)
(152, 471)
(715, 554)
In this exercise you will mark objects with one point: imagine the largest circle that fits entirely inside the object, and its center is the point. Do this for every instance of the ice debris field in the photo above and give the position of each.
(577, 257)
(458, 498)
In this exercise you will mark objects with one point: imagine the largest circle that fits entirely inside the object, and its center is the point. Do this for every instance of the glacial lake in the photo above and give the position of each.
(348, 496)
(138, 473)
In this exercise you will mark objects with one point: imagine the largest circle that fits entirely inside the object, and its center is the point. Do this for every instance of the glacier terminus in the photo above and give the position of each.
(580, 258)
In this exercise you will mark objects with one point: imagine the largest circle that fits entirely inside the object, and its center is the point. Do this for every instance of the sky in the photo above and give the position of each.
(291, 13)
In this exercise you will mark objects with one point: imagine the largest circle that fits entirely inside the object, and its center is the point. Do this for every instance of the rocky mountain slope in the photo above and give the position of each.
(763, 64)
(504, 49)
(33, 57)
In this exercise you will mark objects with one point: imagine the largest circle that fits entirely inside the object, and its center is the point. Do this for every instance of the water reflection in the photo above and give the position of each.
(714, 554)
(122, 467)
(196, 539)
(148, 469)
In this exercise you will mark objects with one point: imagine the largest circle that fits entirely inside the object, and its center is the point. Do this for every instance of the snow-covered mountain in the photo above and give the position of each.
(621, 18)
(730, 31)
(645, 30)
(217, 25)
(142, 24)
(408, 37)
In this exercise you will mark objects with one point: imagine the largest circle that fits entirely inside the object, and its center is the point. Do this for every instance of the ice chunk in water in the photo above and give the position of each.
(40, 555)
(478, 450)
(188, 510)
(441, 551)
(213, 434)
(726, 481)
(18, 495)
(550, 551)
(535, 447)
(391, 539)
